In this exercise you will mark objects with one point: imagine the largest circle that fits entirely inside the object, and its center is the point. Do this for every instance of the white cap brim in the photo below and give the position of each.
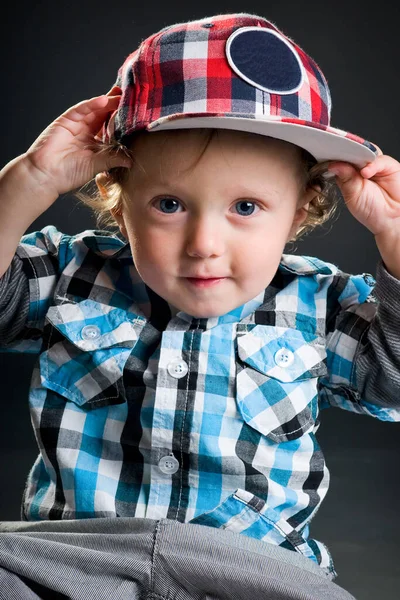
(323, 145)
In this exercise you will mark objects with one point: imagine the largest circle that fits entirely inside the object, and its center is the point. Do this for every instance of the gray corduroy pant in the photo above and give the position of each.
(145, 559)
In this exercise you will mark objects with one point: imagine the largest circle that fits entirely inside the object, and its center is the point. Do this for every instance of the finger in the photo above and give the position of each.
(80, 121)
(114, 91)
(111, 103)
(348, 179)
(90, 112)
(108, 100)
(381, 167)
(96, 119)
(86, 107)
(343, 170)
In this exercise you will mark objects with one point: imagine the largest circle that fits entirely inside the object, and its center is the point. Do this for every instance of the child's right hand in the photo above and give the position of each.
(60, 159)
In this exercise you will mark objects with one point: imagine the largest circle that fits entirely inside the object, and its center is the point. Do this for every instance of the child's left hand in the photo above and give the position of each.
(372, 195)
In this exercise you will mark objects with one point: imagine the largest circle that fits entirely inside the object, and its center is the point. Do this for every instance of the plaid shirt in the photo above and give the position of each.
(211, 421)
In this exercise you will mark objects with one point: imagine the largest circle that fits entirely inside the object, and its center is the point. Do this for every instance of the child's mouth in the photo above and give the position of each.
(198, 282)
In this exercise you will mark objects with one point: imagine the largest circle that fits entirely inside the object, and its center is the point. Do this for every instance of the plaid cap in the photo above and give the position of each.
(230, 71)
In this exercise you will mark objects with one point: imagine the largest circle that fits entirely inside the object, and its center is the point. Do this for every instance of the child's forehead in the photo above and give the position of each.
(225, 136)
(185, 145)
(242, 169)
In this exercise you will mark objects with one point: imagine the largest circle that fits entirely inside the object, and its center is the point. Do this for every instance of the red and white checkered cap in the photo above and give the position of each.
(230, 71)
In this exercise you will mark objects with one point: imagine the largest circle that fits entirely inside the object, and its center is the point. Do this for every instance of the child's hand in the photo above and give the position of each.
(61, 157)
(372, 195)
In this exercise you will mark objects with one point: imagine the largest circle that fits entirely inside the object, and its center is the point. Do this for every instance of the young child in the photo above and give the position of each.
(183, 365)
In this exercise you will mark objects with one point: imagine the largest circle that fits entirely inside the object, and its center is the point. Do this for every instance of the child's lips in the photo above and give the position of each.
(204, 282)
(199, 276)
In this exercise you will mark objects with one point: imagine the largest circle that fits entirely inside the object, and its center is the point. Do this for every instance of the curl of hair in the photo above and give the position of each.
(321, 208)
(325, 203)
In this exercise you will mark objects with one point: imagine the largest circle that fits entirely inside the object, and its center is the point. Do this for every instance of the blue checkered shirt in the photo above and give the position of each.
(206, 420)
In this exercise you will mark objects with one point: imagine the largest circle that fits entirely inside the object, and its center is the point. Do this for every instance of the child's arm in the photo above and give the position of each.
(364, 344)
(59, 160)
(22, 200)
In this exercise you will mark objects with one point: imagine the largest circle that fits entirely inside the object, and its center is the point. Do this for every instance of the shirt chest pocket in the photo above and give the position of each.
(85, 348)
(276, 380)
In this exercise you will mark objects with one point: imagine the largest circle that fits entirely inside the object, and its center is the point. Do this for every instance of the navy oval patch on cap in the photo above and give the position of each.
(263, 58)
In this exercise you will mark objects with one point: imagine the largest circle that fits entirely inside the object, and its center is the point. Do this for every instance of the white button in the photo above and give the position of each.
(168, 465)
(90, 332)
(284, 357)
(177, 368)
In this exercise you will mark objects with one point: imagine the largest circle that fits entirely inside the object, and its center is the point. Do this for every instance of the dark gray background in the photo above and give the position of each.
(57, 54)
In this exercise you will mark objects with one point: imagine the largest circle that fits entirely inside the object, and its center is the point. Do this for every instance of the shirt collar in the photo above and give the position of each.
(234, 316)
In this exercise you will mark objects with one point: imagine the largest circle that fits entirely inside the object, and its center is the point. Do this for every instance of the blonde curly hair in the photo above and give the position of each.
(321, 208)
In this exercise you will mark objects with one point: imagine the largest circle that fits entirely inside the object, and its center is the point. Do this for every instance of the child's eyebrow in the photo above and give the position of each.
(267, 194)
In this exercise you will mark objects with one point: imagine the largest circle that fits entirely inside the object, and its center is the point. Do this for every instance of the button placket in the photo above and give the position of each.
(177, 368)
(168, 464)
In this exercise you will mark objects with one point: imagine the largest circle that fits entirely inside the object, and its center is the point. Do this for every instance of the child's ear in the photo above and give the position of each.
(299, 217)
(307, 198)
(118, 216)
(301, 211)
(101, 181)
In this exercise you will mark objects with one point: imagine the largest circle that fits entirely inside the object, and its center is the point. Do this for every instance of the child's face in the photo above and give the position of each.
(229, 216)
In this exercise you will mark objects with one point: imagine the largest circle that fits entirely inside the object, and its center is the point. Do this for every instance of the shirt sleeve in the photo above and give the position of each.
(27, 288)
(363, 345)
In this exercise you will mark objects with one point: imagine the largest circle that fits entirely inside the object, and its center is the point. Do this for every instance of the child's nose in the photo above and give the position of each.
(205, 238)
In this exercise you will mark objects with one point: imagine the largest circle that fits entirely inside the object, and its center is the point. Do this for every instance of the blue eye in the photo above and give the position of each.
(169, 206)
(245, 205)
(170, 209)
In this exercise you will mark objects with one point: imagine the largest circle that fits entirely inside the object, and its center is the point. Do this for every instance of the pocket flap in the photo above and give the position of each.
(283, 353)
(91, 325)
(86, 347)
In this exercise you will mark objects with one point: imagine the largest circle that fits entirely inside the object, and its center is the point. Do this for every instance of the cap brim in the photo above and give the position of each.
(323, 144)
